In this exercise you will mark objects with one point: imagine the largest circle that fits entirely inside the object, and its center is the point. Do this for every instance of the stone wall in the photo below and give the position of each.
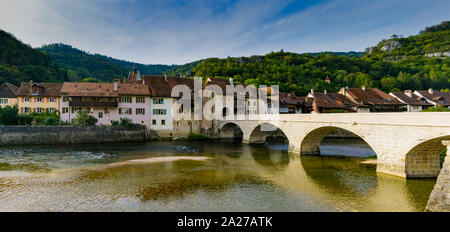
(30, 135)
(440, 197)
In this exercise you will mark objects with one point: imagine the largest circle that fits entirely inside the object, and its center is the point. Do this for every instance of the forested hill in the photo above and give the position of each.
(81, 65)
(405, 66)
(433, 39)
(19, 62)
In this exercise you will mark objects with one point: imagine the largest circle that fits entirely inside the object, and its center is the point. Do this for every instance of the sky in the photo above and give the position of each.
(182, 31)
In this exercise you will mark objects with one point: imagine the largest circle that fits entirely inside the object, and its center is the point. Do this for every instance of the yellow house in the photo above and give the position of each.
(38, 97)
(8, 95)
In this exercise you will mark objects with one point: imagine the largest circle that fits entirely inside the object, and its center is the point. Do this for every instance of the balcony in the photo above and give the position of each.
(93, 104)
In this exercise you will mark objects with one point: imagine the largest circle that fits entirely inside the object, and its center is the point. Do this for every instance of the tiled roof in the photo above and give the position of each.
(372, 96)
(160, 86)
(84, 89)
(290, 99)
(414, 100)
(435, 96)
(138, 89)
(8, 90)
(323, 101)
(45, 89)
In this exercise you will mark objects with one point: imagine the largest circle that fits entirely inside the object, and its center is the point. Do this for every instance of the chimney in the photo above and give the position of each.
(363, 88)
(231, 81)
(430, 91)
(165, 77)
(312, 92)
(408, 93)
(116, 85)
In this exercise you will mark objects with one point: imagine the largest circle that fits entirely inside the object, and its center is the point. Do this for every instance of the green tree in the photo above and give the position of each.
(84, 119)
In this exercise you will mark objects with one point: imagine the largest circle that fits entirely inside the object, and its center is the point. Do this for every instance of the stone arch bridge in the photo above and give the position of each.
(407, 144)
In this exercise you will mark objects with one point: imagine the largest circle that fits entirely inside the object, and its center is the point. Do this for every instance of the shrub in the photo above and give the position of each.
(437, 109)
(9, 116)
(126, 122)
(25, 119)
(84, 119)
(114, 123)
(51, 121)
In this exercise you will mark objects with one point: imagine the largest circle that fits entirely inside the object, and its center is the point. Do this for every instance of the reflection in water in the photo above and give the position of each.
(234, 177)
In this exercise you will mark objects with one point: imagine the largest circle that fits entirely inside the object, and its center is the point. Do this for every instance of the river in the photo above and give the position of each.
(201, 176)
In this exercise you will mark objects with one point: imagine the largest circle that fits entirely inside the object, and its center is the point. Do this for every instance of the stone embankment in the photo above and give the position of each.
(33, 135)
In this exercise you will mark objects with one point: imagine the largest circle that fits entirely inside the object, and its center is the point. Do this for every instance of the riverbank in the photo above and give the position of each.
(41, 135)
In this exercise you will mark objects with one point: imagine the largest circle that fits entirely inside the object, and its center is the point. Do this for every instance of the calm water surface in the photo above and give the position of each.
(234, 177)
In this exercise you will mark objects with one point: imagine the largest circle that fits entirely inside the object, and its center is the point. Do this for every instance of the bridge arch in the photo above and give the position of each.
(422, 161)
(231, 130)
(262, 131)
(310, 144)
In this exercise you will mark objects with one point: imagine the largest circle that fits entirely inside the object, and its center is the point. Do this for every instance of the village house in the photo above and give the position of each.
(38, 97)
(107, 102)
(372, 100)
(8, 95)
(414, 103)
(291, 104)
(434, 97)
(332, 102)
(163, 107)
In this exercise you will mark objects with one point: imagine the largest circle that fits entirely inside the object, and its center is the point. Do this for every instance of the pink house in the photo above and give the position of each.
(107, 102)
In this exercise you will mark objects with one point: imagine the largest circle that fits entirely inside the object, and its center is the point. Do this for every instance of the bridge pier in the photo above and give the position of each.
(440, 197)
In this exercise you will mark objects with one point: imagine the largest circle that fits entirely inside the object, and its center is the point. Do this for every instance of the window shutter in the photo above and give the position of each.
(136, 110)
(23, 99)
(120, 110)
(129, 110)
(143, 111)
(21, 109)
(120, 99)
(143, 99)
(154, 111)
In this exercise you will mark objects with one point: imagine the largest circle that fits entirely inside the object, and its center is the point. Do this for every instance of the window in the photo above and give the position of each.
(154, 122)
(140, 111)
(125, 99)
(124, 111)
(52, 99)
(65, 110)
(100, 114)
(39, 110)
(51, 110)
(4, 101)
(158, 101)
(106, 111)
(26, 109)
(39, 99)
(159, 111)
(163, 122)
(140, 100)
(65, 99)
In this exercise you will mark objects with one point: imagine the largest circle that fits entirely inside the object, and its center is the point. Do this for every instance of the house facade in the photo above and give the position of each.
(8, 95)
(413, 102)
(107, 102)
(38, 97)
(372, 100)
(434, 97)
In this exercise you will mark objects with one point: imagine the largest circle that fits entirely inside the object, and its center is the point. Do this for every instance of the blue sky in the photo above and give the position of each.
(177, 32)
